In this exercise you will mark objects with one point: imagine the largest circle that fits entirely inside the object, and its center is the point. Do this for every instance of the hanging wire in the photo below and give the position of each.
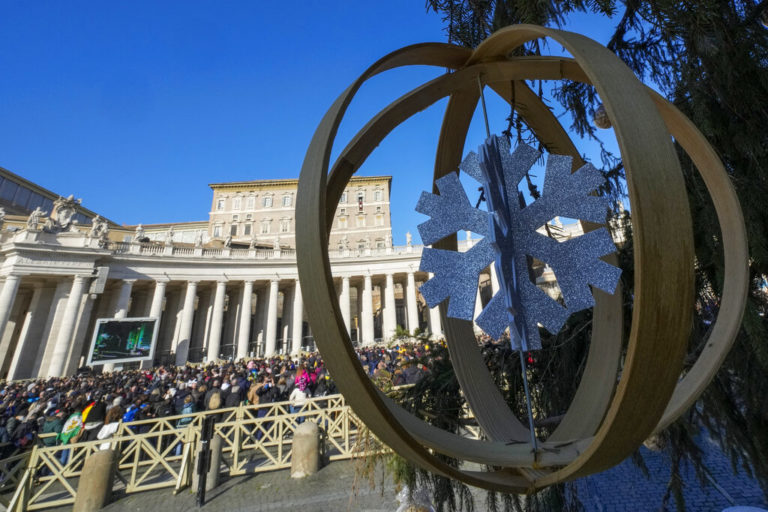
(523, 341)
(485, 112)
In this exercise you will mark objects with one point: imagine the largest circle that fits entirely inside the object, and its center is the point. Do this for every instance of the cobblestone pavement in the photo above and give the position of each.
(333, 488)
(625, 488)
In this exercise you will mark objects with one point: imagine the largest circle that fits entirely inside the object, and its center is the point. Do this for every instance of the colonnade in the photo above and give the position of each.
(47, 322)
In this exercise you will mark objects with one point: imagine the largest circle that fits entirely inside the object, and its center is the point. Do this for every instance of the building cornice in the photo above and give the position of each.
(292, 183)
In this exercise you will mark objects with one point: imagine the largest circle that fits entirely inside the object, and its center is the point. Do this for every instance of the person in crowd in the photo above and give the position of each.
(233, 397)
(52, 425)
(214, 398)
(382, 377)
(188, 408)
(110, 426)
(93, 417)
(299, 397)
(86, 399)
(71, 430)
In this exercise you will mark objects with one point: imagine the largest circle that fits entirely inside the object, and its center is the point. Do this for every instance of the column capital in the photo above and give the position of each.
(127, 280)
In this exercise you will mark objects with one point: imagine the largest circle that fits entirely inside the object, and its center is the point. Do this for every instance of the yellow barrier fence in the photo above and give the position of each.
(156, 454)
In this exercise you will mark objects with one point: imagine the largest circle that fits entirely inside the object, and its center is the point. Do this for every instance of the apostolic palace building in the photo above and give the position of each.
(223, 288)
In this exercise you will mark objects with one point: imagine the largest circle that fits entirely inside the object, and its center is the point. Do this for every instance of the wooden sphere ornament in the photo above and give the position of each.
(610, 416)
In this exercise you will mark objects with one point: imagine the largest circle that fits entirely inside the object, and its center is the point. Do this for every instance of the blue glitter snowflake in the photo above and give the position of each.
(510, 237)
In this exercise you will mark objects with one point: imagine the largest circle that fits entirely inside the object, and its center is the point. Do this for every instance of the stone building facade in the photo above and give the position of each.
(214, 298)
(262, 213)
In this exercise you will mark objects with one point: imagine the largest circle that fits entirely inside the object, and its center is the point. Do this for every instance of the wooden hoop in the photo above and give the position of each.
(664, 286)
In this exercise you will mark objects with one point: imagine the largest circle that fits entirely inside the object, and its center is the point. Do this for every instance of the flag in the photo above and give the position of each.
(71, 428)
(87, 410)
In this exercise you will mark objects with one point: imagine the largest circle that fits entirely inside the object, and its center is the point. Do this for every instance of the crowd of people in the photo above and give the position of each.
(90, 406)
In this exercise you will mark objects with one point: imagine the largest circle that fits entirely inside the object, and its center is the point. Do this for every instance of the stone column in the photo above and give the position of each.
(270, 347)
(244, 332)
(478, 310)
(411, 304)
(494, 278)
(24, 346)
(95, 486)
(390, 314)
(261, 319)
(156, 311)
(47, 335)
(121, 310)
(366, 312)
(124, 299)
(156, 308)
(7, 296)
(9, 338)
(187, 319)
(286, 333)
(67, 328)
(435, 323)
(214, 338)
(305, 456)
(75, 359)
(344, 303)
(298, 320)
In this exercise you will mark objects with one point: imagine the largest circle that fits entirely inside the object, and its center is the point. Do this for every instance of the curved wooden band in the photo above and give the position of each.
(384, 417)
(325, 315)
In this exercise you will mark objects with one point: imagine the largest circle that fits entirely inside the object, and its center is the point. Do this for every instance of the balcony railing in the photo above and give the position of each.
(151, 249)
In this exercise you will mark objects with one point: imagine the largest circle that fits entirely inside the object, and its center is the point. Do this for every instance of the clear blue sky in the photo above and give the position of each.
(136, 106)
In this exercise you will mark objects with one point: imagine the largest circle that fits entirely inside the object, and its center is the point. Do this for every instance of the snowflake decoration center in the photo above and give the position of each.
(510, 239)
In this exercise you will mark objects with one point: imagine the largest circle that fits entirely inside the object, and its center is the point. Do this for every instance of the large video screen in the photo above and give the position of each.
(123, 340)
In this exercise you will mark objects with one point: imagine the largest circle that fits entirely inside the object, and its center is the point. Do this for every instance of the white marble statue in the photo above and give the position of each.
(276, 243)
(99, 228)
(228, 241)
(199, 240)
(138, 234)
(2, 216)
(169, 237)
(408, 239)
(33, 222)
(63, 213)
(388, 240)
